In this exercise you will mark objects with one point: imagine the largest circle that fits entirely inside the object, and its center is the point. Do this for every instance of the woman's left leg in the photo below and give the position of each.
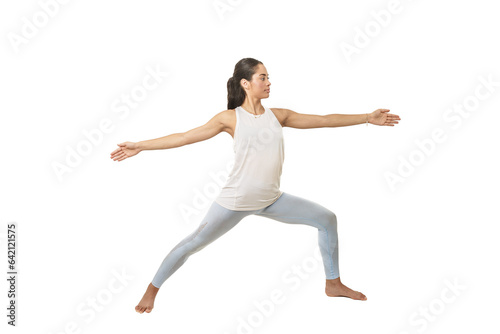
(293, 209)
(297, 210)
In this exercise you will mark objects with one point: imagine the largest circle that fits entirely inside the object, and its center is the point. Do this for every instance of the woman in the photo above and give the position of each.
(253, 184)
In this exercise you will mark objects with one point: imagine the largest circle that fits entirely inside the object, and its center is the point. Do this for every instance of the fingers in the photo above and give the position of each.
(125, 157)
(114, 154)
(393, 116)
(116, 151)
(120, 156)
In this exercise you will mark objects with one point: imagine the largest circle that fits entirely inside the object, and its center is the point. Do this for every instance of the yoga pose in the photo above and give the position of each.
(253, 185)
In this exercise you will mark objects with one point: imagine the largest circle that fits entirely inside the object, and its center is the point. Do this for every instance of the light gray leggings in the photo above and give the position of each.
(287, 208)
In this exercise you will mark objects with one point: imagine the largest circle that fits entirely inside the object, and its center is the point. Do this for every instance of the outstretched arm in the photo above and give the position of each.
(307, 121)
(204, 132)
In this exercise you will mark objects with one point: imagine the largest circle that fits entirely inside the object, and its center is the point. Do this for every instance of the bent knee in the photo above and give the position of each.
(330, 218)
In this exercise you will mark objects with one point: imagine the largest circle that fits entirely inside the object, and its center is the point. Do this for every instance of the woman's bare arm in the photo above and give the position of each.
(213, 127)
(307, 121)
(217, 124)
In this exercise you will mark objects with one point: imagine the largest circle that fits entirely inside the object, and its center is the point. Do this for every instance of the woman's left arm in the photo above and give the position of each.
(306, 121)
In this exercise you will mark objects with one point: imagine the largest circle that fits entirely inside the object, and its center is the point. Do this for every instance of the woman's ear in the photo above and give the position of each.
(244, 83)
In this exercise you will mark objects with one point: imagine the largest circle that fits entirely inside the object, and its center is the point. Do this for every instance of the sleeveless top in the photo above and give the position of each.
(254, 181)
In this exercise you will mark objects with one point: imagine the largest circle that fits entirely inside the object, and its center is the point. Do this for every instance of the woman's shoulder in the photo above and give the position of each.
(228, 119)
(280, 114)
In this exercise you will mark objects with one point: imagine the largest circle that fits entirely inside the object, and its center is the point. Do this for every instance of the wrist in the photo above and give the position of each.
(139, 146)
(369, 118)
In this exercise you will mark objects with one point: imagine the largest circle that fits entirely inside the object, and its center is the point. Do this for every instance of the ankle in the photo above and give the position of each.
(335, 281)
(152, 289)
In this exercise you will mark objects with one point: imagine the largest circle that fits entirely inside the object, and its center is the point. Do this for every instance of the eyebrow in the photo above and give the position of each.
(263, 74)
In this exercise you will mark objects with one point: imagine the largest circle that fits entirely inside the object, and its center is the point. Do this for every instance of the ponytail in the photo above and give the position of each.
(244, 69)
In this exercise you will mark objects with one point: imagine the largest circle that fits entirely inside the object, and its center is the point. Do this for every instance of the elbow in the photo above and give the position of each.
(182, 140)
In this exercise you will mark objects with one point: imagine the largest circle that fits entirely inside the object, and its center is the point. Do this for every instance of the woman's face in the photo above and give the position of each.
(260, 85)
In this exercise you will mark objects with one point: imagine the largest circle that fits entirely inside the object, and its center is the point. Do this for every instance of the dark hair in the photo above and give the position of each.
(244, 69)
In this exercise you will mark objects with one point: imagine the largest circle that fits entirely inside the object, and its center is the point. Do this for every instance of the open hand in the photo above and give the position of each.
(382, 117)
(125, 150)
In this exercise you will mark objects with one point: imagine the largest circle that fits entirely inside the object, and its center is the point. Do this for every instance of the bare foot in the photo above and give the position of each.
(147, 302)
(335, 288)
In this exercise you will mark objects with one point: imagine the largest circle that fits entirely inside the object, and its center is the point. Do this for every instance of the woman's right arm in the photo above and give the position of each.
(214, 126)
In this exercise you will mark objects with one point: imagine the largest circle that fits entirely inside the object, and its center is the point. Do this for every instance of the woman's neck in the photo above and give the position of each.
(253, 105)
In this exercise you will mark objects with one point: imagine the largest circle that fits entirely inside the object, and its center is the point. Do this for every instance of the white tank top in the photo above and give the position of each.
(254, 181)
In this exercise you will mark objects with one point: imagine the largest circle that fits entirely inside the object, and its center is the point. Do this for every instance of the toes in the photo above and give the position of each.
(141, 309)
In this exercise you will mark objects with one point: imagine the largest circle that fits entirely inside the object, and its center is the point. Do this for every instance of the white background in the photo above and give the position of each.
(399, 245)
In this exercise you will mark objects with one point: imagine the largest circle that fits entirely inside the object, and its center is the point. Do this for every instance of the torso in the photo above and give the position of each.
(230, 119)
(258, 144)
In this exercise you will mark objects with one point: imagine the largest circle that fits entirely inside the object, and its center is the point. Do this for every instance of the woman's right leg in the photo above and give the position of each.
(216, 222)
